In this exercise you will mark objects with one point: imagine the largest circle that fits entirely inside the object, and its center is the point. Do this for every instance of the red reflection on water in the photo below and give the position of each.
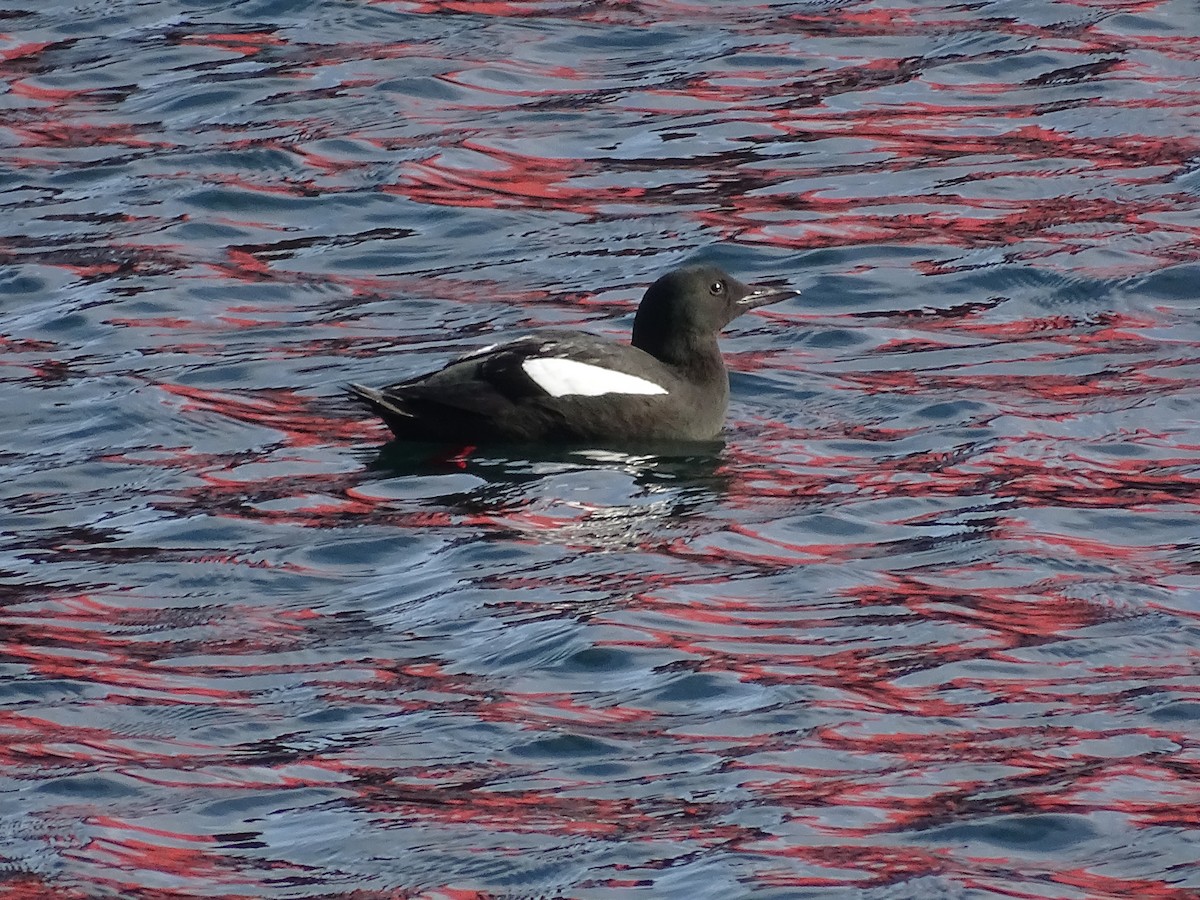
(26, 886)
(874, 690)
(244, 43)
(75, 134)
(297, 417)
(27, 50)
(24, 88)
(515, 180)
(503, 8)
(1109, 887)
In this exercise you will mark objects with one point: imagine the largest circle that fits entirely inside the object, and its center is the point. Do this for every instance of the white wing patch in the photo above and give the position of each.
(568, 378)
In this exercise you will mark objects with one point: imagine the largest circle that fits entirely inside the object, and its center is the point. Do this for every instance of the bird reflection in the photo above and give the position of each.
(595, 496)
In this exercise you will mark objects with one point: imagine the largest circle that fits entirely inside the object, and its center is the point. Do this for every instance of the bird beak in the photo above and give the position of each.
(761, 295)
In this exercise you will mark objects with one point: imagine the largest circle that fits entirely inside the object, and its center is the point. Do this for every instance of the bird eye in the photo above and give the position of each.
(717, 287)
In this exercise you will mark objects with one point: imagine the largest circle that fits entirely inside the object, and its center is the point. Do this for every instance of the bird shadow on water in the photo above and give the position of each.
(595, 496)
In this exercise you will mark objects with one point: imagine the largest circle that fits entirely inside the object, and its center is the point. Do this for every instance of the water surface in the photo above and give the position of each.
(925, 624)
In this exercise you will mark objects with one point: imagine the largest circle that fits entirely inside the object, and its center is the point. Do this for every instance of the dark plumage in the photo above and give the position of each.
(570, 386)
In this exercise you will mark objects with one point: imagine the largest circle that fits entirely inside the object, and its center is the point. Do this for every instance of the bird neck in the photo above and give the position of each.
(698, 358)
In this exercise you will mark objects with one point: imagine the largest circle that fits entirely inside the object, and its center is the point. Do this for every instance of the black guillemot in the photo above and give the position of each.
(668, 384)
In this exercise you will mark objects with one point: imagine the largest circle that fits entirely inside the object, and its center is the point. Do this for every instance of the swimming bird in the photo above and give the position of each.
(555, 386)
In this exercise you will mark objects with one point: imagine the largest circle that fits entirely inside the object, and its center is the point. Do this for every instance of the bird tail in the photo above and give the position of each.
(369, 397)
(377, 401)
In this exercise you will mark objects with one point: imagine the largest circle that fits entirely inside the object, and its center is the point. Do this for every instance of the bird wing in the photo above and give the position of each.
(482, 382)
(503, 367)
(497, 379)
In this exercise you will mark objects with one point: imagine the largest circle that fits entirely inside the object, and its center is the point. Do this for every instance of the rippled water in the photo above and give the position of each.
(926, 625)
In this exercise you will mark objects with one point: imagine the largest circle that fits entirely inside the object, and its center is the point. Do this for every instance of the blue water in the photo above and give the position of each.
(924, 624)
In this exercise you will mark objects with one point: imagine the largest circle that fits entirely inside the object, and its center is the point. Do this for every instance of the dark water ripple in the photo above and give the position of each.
(926, 625)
